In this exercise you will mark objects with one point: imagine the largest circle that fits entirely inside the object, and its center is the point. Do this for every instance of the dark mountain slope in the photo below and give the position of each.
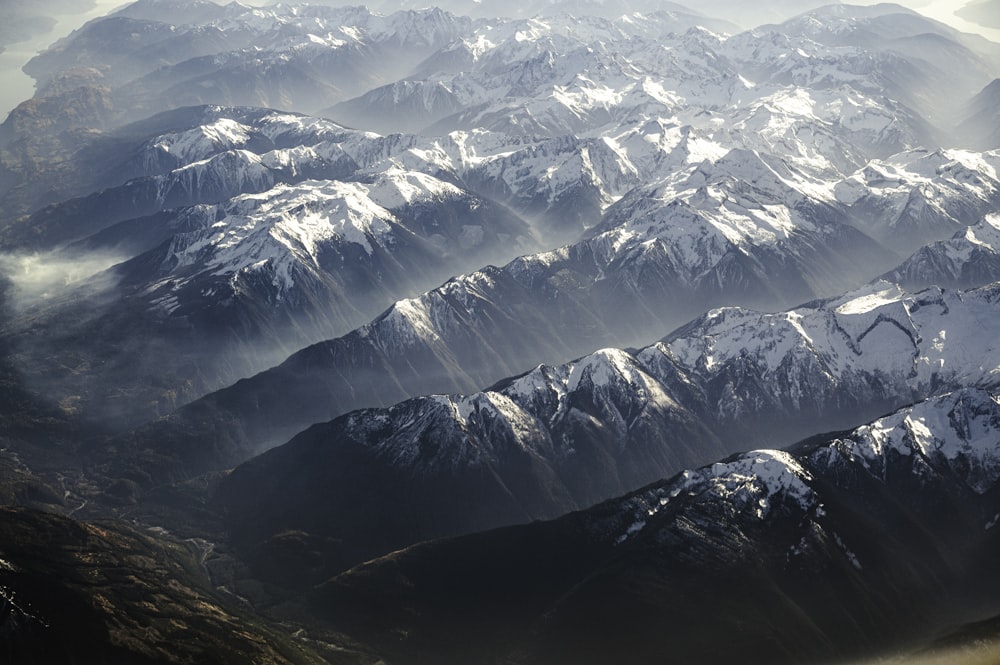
(564, 437)
(76, 592)
(849, 545)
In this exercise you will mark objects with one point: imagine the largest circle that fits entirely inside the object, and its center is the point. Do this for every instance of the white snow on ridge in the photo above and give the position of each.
(283, 228)
(753, 481)
(895, 336)
(202, 142)
(283, 126)
(753, 484)
(540, 382)
(411, 319)
(985, 234)
(466, 430)
(952, 258)
(944, 184)
(960, 430)
(869, 298)
(956, 433)
(396, 188)
(603, 367)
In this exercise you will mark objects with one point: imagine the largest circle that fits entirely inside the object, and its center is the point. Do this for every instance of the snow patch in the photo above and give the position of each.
(870, 298)
(960, 430)
(753, 481)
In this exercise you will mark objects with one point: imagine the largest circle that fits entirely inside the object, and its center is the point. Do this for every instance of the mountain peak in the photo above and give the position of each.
(956, 433)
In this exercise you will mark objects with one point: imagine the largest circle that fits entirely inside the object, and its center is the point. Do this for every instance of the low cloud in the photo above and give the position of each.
(38, 277)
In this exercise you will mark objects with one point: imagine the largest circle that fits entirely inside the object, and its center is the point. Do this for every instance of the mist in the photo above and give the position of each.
(747, 15)
(16, 86)
(38, 277)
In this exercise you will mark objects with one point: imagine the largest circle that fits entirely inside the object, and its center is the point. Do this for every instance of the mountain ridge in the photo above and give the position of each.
(562, 438)
(766, 524)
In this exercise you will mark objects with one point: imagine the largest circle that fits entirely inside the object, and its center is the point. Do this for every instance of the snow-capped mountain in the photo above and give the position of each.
(618, 74)
(749, 17)
(481, 194)
(551, 77)
(290, 230)
(968, 259)
(217, 178)
(923, 63)
(662, 254)
(779, 551)
(229, 287)
(640, 67)
(862, 353)
(565, 437)
(297, 57)
(704, 169)
(616, 85)
(293, 242)
(557, 440)
(152, 56)
(610, 75)
(920, 195)
(596, 8)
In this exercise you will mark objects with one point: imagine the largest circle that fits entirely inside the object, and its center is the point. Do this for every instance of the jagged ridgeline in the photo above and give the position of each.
(287, 290)
(687, 165)
(563, 438)
(846, 544)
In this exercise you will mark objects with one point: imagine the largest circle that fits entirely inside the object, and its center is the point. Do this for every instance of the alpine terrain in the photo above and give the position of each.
(577, 332)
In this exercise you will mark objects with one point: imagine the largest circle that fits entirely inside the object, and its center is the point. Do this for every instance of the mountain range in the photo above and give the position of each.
(468, 334)
(844, 544)
(614, 288)
(563, 438)
(602, 143)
